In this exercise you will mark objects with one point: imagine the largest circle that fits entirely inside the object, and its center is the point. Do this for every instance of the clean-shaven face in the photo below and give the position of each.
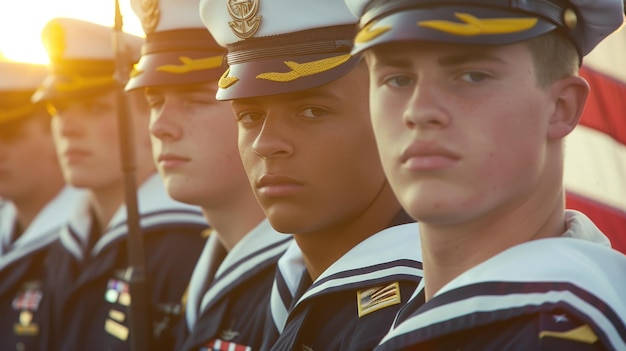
(310, 156)
(87, 140)
(27, 156)
(194, 144)
(461, 129)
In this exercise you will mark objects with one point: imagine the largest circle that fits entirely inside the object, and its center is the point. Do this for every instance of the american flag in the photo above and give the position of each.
(595, 159)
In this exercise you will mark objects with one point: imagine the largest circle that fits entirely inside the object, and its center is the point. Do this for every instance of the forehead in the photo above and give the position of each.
(205, 88)
(343, 90)
(26, 122)
(108, 96)
(402, 53)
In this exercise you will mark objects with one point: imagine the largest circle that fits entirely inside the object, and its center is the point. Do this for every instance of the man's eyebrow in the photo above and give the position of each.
(183, 88)
(298, 96)
(465, 57)
(398, 62)
(452, 59)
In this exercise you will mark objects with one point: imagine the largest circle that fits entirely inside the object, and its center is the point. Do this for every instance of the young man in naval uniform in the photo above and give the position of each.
(307, 146)
(35, 203)
(471, 102)
(89, 303)
(194, 144)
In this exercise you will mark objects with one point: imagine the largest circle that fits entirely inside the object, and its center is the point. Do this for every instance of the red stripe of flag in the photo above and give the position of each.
(605, 111)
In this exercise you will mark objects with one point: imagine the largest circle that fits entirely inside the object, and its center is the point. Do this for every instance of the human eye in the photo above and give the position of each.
(313, 112)
(97, 107)
(398, 81)
(473, 76)
(248, 117)
(198, 101)
(154, 101)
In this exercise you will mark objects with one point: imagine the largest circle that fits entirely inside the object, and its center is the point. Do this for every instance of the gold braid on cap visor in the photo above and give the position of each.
(299, 70)
(78, 83)
(13, 113)
(470, 26)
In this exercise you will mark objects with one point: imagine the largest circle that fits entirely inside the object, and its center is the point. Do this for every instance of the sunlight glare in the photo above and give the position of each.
(21, 23)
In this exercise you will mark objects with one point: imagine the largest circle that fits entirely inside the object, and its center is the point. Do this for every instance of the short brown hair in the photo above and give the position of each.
(555, 57)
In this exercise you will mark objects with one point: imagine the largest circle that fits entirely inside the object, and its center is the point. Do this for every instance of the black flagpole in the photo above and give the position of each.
(135, 275)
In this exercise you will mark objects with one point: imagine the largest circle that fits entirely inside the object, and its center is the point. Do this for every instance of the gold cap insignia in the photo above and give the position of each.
(299, 70)
(53, 38)
(188, 65)
(76, 83)
(374, 299)
(150, 15)
(7, 114)
(478, 26)
(226, 80)
(245, 21)
(367, 33)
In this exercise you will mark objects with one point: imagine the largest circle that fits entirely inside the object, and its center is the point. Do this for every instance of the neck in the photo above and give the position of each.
(29, 207)
(322, 248)
(450, 250)
(106, 200)
(234, 220)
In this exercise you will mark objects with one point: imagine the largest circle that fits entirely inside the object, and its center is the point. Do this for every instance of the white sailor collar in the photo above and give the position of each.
(259, 245)
(155, 207)
(395, 251)
(44, 228)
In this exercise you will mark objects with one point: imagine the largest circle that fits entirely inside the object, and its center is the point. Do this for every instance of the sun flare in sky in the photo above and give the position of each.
(21, 23)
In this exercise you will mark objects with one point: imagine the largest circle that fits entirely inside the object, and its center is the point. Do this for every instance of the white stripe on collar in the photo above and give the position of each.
(155, 208)
(401, 242)
(200, 279)
(44, 228)
(261, 244)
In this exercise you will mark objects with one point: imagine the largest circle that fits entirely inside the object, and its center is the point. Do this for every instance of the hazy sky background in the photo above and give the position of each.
(21, 22)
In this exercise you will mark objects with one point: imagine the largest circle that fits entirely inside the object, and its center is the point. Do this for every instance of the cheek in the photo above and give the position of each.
(156, 146)
(245, 140)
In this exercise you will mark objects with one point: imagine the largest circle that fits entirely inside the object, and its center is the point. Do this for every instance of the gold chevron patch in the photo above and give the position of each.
(189, 64)
(472, 25)
(299, 70)
(78, 83)
(54, 41)
(582, 334)
(367, 33)
(373, 299)
(226, 80)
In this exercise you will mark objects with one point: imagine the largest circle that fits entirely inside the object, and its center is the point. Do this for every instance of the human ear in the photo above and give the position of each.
(569, 95)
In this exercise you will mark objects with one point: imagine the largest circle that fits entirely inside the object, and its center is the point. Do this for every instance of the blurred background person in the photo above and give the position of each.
(194, 144)
(35, 203)
(90, 298)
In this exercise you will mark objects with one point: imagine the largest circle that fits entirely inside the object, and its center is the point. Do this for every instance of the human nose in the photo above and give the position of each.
(272, 140)
(68, 123)
(426, 108)
(163, 122)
